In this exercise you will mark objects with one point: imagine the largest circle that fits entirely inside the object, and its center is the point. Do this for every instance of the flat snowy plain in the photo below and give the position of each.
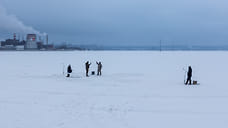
(138, 89)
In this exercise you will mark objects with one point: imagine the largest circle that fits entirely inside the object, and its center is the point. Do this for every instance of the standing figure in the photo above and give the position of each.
(87, 64)
(99, 66)
(189, 76)
(69, 70)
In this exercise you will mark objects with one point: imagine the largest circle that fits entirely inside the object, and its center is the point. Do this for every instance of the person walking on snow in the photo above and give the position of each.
(99, 66)
(189, 76)
(69, 70)
(87, 64)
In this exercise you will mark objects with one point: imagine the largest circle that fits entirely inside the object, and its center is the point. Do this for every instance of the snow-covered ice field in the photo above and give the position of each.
(138, 89)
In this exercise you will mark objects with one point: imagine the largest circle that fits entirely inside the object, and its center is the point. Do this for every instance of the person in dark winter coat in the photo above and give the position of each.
(69, 70)
(87, 64)
(99, 66)
(189, 75)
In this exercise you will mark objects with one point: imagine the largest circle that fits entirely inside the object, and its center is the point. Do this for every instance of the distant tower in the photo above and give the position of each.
(19, 37)
(14, 36)
(47, 39)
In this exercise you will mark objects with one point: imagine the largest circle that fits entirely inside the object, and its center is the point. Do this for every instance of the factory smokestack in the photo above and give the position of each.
(14, 36)
(19, 37)
(47, 39)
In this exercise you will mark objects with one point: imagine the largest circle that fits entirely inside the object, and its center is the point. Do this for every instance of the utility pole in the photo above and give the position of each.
(47, 39)
(160, 46)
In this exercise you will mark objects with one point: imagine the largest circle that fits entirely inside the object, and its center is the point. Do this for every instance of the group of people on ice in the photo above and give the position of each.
(87, 65)
(99, 67)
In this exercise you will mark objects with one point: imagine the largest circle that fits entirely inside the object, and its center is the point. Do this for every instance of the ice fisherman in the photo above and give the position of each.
(87, 64)
(99, 66)
(69, 70)
(189, 76)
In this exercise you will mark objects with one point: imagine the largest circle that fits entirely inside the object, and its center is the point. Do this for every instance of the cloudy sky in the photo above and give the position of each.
(122, 22)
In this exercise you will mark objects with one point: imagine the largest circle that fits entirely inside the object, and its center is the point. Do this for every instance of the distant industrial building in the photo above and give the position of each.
(12, 44)
(34, 42)
(31, 43)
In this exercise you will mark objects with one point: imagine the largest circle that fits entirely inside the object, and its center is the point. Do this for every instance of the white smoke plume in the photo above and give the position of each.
(11, 24)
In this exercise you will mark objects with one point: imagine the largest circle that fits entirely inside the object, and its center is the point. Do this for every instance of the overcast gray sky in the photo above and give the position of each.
(125, 22)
